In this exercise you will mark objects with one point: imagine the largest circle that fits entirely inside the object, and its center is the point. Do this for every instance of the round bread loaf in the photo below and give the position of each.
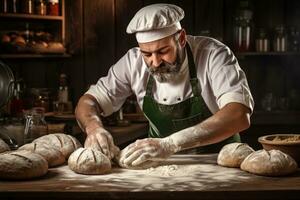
(53, 156)
(22, 164)
(89, 161)
(233, 154)
(3, 146)
(55, 45)
(269, 163)
(67, 144)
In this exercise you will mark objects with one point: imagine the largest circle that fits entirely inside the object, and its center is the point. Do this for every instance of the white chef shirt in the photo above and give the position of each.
(221, 79)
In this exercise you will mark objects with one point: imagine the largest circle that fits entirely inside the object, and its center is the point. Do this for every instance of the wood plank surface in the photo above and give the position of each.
(180, 177)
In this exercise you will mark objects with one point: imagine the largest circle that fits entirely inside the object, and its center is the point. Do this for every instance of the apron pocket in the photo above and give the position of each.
(179, 124)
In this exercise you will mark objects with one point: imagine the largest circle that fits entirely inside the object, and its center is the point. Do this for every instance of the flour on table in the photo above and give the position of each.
(171, 170)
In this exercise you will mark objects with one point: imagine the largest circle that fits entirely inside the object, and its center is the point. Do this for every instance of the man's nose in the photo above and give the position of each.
(156, 60)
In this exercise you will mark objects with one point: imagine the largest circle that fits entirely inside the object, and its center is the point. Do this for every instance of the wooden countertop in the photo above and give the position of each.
(187, 177)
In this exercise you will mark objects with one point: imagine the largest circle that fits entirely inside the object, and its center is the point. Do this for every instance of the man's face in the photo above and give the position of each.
(163, 57)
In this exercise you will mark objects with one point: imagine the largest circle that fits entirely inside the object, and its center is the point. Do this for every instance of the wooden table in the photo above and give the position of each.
(188, 177)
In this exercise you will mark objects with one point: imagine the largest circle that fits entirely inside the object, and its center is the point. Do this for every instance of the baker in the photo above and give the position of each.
(190, 88)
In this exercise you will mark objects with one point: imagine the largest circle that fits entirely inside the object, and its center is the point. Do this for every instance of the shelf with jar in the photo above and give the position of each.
(282, 42)
(254, 38)
(32, 29)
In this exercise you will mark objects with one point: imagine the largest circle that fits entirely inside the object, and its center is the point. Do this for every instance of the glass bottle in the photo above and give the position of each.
(16, 105)
(53, 7)
(262, 42)
(40, 7)
(243, 28)
(27, 6)
(280, 39)
(35, 124)
(3, 6)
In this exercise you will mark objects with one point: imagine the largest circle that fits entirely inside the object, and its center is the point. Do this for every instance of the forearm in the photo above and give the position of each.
(231, 119)
(87, 113)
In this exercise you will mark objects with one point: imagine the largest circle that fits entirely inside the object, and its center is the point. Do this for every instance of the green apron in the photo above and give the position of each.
(167, 119)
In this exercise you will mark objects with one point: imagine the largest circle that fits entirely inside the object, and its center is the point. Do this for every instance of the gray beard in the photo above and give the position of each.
(167, 72)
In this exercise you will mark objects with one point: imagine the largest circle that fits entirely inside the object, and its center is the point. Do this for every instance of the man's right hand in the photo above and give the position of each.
(101, 139)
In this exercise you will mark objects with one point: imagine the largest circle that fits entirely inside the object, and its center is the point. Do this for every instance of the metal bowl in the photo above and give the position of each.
(287, 143)
(6, 84)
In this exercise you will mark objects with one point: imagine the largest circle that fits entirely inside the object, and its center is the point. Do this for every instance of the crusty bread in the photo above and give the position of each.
(269, 163)
(67, 144)
(89, 161)
(3, 146)
(233, 154)
(55, 45)
(22, 164)
(53, 155)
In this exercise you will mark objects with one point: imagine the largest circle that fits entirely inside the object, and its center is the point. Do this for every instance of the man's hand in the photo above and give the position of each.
(102, 140)
(145, 151)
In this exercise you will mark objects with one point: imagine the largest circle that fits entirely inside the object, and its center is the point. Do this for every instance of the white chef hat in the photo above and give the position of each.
(155, 22)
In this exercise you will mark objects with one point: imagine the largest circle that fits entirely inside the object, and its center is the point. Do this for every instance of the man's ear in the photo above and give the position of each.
(182, 38)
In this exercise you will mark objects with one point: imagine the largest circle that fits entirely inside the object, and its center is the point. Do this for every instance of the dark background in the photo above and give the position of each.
(96, 38)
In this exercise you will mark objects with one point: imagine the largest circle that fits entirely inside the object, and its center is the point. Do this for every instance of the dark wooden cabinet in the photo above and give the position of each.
(31, 29)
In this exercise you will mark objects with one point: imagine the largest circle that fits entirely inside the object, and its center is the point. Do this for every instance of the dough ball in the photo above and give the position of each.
(3, 146)
(233, 154)
(89, 161)
(67, 144)
(53, 155)
(269, 163)
(22, 164)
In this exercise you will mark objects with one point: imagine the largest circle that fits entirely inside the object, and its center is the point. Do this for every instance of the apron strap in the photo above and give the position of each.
(149, 86)
(193, 74)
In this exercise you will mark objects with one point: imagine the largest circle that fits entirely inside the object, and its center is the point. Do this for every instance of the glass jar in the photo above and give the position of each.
(280, 39)
(53, 7)
(40, 7)
(3, 6)
(9, 6)
(35, 124)
(262, 42)
(243, 27)
(27, 6)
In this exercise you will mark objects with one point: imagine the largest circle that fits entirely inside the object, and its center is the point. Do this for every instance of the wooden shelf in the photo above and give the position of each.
(271, 53)
(29, 16)
(35, 55)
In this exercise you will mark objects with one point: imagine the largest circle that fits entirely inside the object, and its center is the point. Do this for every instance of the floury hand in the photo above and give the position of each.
(143, 152)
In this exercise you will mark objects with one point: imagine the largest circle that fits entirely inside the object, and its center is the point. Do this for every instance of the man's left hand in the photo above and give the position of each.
(146, 151)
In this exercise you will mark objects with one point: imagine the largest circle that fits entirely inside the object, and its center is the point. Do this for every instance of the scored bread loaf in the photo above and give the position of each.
(89, 161)
(22, 164)
(3, 146)
(233, 154)
(269, 163)
(53, 155)
(67, 144)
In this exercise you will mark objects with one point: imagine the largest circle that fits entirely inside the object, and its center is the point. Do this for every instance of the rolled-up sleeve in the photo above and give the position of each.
(228, 80)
